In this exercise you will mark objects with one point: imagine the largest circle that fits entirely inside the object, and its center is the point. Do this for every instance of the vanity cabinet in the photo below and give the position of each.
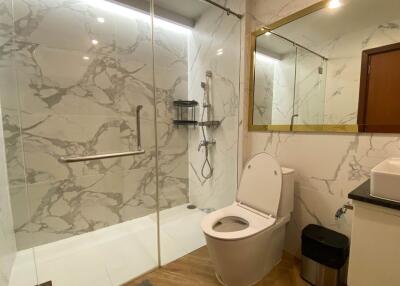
(375, 241)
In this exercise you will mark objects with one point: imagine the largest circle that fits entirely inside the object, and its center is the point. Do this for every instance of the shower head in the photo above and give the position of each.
(203, 85)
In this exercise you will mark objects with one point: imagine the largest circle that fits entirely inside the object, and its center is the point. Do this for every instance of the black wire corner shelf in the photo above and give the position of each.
(185, 103)
(185, 112)
(185, 122)
(211, 124)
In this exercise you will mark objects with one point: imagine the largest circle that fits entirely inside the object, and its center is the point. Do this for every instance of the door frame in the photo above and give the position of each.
(363, 96)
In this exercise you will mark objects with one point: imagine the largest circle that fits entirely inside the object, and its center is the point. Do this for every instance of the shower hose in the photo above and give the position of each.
(206, 162)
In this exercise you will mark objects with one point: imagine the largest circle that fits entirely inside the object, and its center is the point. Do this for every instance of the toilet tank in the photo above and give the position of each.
(287, 193)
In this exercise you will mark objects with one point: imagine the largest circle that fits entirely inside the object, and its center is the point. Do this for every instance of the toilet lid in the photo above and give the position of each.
(261, 184)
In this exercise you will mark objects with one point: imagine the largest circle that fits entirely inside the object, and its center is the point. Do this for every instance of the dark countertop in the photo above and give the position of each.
(361, 193)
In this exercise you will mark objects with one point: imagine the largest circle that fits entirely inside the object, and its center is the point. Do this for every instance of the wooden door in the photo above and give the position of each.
(379, 105)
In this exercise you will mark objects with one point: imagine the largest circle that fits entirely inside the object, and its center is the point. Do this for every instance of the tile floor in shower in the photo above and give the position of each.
(113, 255)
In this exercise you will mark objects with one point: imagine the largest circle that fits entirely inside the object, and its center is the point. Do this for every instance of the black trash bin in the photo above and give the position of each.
(324, 256)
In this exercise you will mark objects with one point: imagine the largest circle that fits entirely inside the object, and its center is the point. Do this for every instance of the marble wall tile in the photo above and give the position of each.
(328, 166)
(70, 25)
(75, 97)
(343, 78)
(215, 33)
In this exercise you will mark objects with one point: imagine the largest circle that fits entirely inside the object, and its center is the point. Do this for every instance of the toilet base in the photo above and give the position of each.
(246, 261)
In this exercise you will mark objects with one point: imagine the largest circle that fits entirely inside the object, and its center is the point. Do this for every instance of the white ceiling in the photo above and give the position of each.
(191, 9)
(184, 12)
(274, 46)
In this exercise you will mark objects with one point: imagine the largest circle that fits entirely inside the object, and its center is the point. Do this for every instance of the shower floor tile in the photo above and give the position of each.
(112, 255)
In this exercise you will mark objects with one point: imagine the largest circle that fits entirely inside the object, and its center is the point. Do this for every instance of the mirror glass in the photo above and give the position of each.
(274, 79)
(308, 72)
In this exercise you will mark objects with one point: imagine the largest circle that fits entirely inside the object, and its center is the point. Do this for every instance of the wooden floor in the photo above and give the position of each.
(196, 269)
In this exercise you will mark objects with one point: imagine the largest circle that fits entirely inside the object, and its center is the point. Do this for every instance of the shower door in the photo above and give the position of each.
(204, 47)
(90, 203)
(80, 70)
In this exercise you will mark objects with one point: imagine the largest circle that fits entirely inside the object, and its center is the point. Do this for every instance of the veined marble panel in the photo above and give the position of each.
(343, 81)
(328, 166)
(214, 45)
(79, 98)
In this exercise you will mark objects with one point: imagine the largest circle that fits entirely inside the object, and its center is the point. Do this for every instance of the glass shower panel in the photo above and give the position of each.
(14, 206)
(83, 69)
(197, 64)
(309, 104)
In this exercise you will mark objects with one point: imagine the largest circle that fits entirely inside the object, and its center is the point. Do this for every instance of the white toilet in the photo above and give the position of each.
(245, 240)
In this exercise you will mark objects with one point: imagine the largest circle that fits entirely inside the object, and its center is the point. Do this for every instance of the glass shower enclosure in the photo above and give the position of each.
(99, 181)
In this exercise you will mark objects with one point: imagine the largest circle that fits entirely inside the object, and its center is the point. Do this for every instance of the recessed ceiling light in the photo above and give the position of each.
(95, 42)
(86, 58)
(100, 19)
(333, 4)
(109, 6)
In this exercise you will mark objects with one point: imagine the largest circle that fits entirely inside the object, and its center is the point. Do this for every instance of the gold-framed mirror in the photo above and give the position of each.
(325, 69)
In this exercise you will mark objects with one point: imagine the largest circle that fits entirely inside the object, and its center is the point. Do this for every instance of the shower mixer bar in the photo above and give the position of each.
(139, 139)
(139, 150)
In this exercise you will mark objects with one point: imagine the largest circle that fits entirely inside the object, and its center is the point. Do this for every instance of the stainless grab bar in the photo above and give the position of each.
(139, 140)
(139, 150)
(102, 156)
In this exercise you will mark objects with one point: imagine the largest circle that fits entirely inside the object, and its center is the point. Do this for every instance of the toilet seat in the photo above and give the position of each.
(261, 184)
(257, 222)
(256, 203)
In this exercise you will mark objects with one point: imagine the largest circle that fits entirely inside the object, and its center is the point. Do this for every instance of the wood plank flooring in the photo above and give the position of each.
(196, 269)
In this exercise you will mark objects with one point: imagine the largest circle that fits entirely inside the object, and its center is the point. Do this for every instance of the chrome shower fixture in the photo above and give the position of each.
(206, 142)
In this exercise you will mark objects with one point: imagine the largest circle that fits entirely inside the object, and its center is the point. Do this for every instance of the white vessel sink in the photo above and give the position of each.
(385, 180)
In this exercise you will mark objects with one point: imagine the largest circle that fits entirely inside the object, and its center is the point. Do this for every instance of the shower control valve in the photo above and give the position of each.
(205, 143)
